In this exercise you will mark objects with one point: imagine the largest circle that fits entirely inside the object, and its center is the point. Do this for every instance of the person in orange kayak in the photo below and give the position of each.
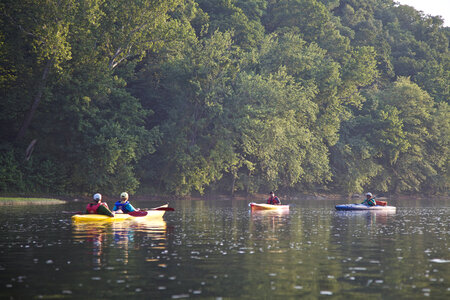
(369, 200)
(98, 207)
(273, 199)
(123, 205)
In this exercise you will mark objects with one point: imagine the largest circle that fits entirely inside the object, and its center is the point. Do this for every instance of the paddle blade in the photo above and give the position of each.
(165, 208)
(138, 213)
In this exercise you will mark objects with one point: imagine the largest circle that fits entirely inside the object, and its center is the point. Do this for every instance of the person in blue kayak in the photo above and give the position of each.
(98, 207)
(369, 200)
(273, 199)
(123, 205)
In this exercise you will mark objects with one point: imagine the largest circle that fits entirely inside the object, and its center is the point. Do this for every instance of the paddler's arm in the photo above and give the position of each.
(104, 211)
(368, 201)
(130, 207)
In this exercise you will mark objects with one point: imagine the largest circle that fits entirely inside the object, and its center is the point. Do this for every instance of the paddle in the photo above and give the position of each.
(164, 208)
(143, 213)
(158, 208)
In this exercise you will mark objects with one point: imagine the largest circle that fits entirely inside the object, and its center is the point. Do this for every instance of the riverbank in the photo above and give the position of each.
(48, 199)
(27, 201)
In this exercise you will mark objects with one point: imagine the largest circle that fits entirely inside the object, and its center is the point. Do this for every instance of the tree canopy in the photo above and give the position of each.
(182, 97)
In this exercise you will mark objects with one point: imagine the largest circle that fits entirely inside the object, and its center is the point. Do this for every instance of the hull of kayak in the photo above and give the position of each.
(364, 207)
(150, 214)
(263, 206)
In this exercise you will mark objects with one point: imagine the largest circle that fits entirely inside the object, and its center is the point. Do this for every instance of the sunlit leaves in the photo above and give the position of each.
(274, 118)
(409, 150)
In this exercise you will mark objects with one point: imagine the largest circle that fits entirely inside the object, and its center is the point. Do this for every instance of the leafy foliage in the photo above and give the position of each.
(198, 96)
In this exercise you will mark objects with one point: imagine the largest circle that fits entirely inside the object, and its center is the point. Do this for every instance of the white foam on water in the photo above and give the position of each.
(440, 261)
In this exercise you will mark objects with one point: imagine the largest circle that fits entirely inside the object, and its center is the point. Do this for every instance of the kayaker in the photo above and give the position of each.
(98, 207)
(369, 200)
(123, 205)
(273, 199)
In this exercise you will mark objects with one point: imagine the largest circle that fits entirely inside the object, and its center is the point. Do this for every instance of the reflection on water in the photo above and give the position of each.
(220, 249)
(154, 228)
(124, 235)
(268, 220)
(371, 217)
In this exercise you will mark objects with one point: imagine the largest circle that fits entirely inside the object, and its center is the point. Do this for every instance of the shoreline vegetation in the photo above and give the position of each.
(194, 98)
(49, 200)
(26, 201)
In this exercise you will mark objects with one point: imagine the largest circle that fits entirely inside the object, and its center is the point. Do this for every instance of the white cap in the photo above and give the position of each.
(124, 195)
(369, 194)
(97, 197)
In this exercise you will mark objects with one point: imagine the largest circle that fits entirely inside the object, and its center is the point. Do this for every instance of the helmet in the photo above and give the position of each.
(97, 197)
(124, 195)
(369, 194)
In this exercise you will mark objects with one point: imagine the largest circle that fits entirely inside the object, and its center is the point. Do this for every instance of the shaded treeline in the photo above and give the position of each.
(177, 97)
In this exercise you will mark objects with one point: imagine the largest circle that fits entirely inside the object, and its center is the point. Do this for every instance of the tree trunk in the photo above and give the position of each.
(37, 99)
(233, 182)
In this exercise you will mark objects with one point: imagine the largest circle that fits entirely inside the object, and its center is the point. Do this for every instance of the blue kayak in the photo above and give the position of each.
(364, 207)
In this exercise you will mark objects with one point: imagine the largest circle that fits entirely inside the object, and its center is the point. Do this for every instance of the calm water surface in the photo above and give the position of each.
(218, 249)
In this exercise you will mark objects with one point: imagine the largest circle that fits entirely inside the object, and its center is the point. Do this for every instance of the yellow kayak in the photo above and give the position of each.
(156, 212)
(263, 206)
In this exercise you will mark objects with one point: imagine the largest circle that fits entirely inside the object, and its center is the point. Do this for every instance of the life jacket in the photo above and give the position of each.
(371, 202)
(92, 208)
(122, 206)
(273, 200)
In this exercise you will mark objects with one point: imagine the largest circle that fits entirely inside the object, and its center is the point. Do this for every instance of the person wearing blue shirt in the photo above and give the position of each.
(123, 204)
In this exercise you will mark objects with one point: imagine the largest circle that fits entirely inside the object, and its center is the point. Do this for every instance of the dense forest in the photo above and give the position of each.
(183, 97)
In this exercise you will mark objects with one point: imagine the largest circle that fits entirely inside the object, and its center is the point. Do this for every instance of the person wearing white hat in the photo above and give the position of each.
(123, 205)
(369, 200)
(98, 207)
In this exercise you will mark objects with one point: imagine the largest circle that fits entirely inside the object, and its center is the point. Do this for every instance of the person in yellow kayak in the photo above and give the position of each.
(98, 207)
(123, 205)
(369, 200)
(273, 199)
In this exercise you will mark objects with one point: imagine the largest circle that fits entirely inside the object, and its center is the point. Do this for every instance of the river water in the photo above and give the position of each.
(218, 249)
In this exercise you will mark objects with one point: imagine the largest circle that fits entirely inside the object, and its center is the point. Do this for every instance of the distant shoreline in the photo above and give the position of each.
(36, 200)
(26, 201)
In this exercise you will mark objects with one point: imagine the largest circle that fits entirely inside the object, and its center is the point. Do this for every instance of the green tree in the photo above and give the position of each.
(42, 26)
(274, 122)
(229, 16)
(420, 155)
(188, 101)
(85, 113)
(398, 142)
